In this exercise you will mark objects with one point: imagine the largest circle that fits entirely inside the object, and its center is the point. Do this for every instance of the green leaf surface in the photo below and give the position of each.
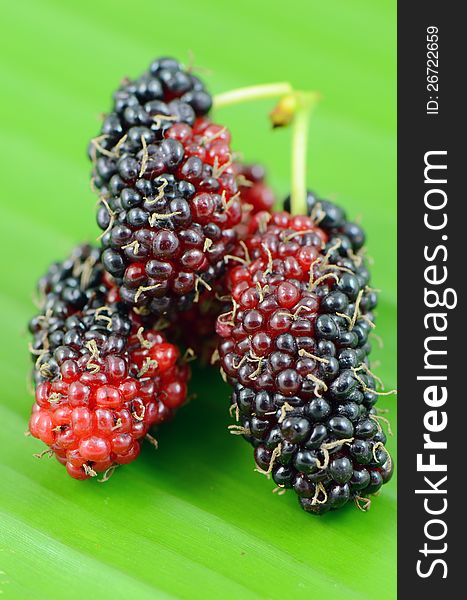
(191, 520)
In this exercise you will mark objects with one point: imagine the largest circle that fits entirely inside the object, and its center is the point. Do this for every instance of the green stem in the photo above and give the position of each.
(300, 126)
(255, 92)
(293, 107)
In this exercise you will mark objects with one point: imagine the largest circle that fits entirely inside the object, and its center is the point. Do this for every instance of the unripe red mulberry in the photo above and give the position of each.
(103, 376)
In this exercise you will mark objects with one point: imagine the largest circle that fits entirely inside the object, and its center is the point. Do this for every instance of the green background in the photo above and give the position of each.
(192, 520)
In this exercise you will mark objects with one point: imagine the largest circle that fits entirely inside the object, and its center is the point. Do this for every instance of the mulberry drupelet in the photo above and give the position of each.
(102, 376)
